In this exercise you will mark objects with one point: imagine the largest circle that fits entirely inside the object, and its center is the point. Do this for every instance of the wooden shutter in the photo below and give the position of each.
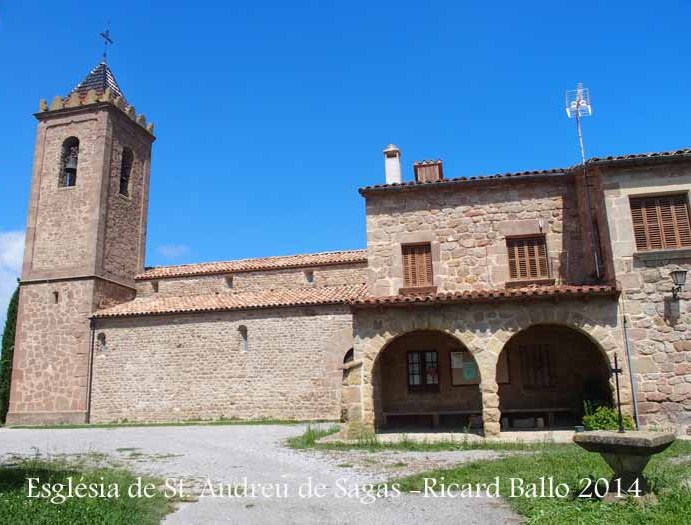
(417, 265)
(537, 369)
(661, 222)
(528, 258)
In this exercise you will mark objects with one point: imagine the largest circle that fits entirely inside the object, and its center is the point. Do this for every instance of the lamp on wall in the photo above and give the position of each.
(679, 279)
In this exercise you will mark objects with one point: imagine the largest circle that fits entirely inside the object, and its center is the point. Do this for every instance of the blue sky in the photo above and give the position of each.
(270, 115)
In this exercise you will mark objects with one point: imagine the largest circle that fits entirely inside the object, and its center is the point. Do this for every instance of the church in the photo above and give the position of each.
(484, 304)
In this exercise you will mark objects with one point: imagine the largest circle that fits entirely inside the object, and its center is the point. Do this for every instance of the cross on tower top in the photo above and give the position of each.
(107, 41)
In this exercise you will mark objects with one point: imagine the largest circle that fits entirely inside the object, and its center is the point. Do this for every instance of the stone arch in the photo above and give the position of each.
(545, 372)
(426, 377)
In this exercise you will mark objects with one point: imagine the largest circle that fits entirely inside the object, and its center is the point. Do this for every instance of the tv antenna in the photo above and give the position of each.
(578, 106)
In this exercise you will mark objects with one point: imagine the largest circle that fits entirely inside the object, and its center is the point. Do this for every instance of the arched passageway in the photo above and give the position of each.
(427, 379)
(546, 373)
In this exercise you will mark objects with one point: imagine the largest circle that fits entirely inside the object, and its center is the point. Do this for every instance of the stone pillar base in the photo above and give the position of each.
(46, 418)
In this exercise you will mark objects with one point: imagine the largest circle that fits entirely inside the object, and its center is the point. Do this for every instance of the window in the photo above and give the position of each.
(244, 345)
(423, 371)
(101, 342)
(56, 297)
(537, 369)
(528, 258)
(309, 276)
(68, 163)
(126, 171)
(417, 265)
(154, 286)
(229, 281)
(661, 222)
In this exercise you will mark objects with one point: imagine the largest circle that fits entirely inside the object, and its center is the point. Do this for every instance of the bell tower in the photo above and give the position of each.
(85, 240)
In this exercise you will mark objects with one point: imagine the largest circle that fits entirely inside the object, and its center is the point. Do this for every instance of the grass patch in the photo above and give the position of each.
(17, 508)
(309, 438)
(190, 422)
(668, 473)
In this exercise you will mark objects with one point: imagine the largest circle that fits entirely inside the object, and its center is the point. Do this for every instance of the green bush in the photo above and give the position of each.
(605, 418)
(7, 354)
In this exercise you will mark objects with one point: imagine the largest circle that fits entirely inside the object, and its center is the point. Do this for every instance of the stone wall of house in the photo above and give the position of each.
(467, 226)
(255, 281)
(658, 327)
(484, 329)
(168, 368)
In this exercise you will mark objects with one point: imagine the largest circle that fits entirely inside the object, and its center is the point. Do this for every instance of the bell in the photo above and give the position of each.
(71, 164)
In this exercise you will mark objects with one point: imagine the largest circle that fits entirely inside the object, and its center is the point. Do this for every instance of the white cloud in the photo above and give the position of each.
(172, 251)
(11, 256)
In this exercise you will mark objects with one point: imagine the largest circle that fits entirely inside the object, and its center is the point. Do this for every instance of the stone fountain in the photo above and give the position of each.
(627, 453)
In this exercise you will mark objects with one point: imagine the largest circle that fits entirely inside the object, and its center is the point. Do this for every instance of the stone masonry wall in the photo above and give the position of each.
(188, 367)
(61, 226)
(125, 215)
(50, 370)
(254, 281)
(658, 326)
(467, 227)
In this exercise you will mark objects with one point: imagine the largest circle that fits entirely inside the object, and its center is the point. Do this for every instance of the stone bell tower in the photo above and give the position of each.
(85, 237)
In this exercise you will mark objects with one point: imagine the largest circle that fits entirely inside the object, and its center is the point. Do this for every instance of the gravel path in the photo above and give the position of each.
(229, 454)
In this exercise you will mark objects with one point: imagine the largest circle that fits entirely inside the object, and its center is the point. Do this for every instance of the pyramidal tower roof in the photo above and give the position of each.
(99, 79)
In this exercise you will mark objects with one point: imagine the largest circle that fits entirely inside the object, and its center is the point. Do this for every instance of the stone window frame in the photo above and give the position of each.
(620, 225)
(71, 142)
(547, 279)
(422, 362)
(127, 154)
(244, 338)
(101, 342)
(397, 262)
(631, 197)
(309, 276)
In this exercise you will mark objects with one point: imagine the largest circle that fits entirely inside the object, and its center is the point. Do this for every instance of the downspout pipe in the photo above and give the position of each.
(629, 360)
(92, 345)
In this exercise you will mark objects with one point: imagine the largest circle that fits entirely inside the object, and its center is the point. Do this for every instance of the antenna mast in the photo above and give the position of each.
(578, 106)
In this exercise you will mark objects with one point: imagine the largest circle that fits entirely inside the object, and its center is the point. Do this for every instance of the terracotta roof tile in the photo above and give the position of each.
(154, 305)
(264, 263)
(508, 294)
(680, 153)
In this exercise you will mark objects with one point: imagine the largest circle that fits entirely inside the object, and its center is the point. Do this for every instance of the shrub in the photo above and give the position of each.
(7, 354)
(605, 418)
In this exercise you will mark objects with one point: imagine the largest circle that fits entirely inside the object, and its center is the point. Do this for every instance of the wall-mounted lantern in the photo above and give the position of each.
(679, 279)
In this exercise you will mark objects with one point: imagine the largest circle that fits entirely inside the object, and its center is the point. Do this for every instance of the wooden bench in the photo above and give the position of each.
(549, 411)
(433, 413)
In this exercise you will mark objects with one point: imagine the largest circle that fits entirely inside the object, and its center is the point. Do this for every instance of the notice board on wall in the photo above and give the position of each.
(464, 369)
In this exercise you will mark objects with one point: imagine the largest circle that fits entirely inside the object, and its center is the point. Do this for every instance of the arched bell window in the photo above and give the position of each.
(126, 171)
(68, 162)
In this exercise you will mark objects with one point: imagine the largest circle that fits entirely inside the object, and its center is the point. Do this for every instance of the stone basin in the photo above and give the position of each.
(626, 453)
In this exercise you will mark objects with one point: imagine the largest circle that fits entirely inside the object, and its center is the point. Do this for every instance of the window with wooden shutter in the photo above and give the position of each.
(417, 265)
(528, 258)
(661, 222)
(537, 366)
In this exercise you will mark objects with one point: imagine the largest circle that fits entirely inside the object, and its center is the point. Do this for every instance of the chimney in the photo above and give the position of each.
(428, 171)
(392, 164)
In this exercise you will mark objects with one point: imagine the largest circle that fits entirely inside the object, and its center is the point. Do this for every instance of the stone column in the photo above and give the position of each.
(490, 399)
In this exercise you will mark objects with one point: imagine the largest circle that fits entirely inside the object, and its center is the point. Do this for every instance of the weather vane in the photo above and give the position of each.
(107, 41)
